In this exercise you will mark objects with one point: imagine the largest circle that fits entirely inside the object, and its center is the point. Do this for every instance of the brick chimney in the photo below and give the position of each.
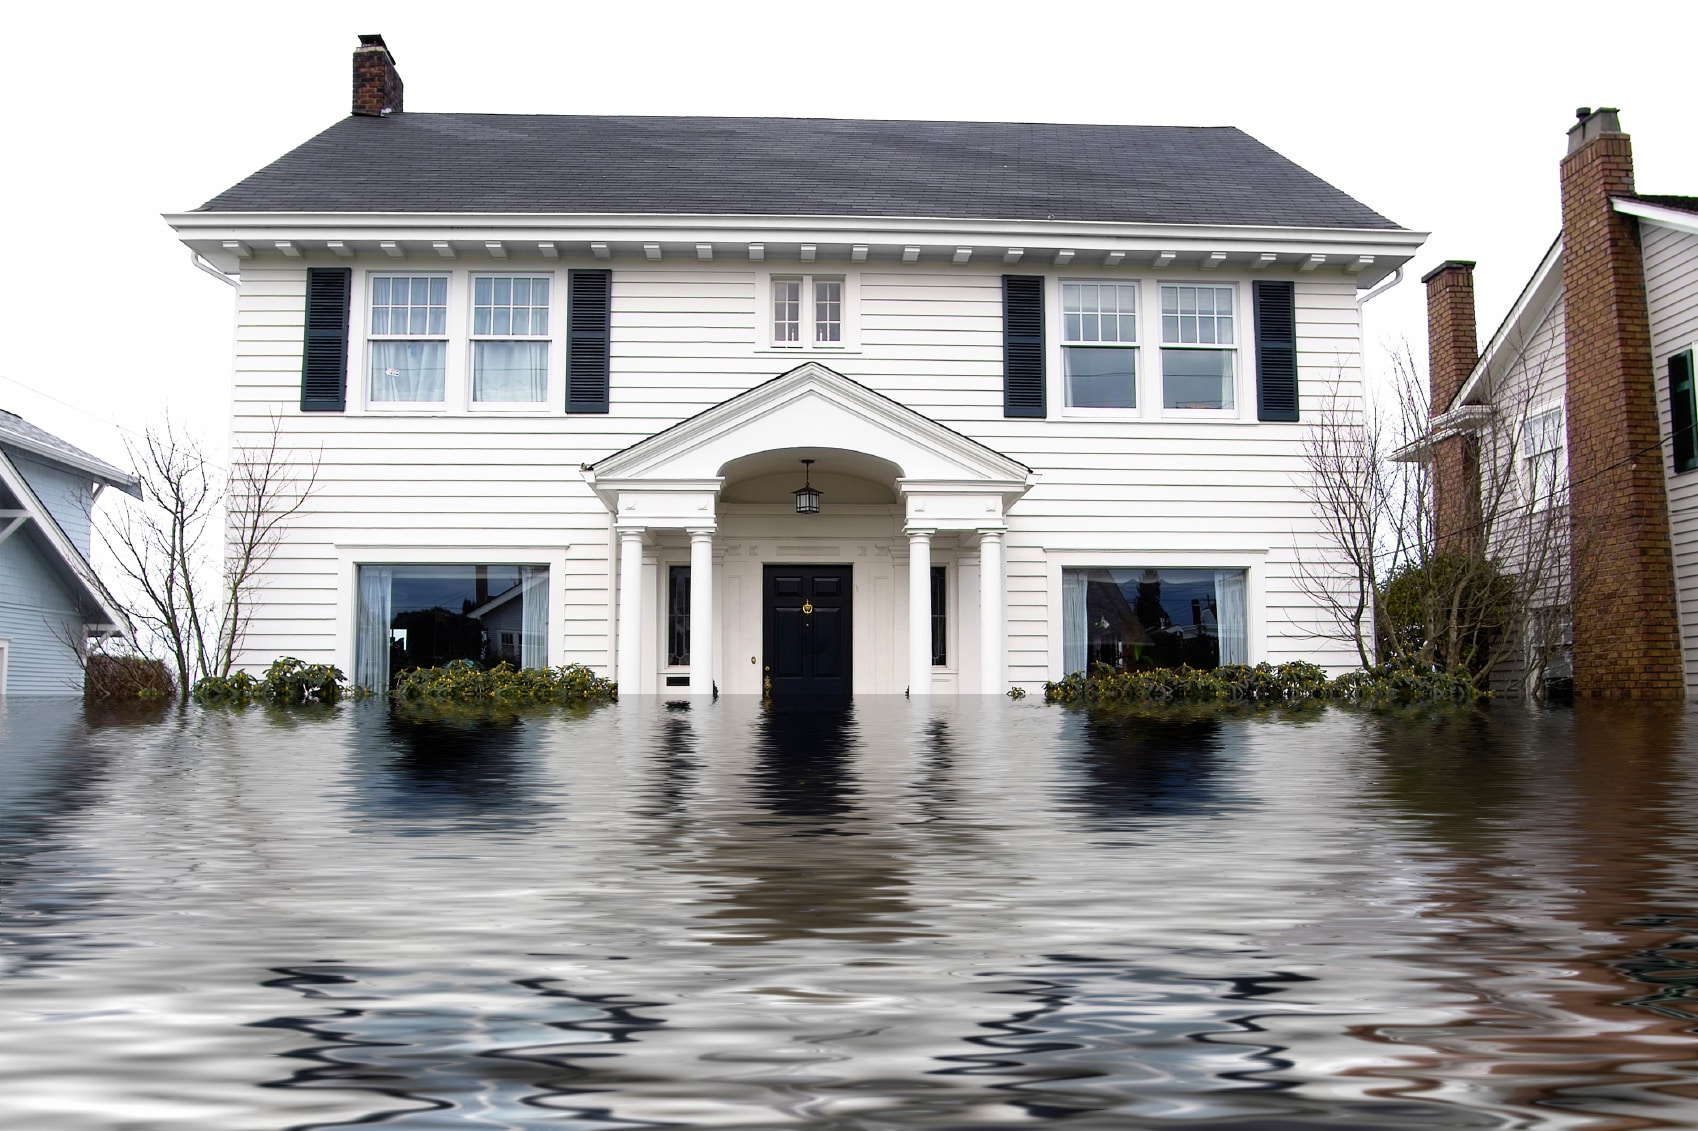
(1626, 627)
(1452, 350)
(377, 84)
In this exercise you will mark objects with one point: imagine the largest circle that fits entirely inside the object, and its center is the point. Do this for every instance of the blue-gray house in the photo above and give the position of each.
(50, 598)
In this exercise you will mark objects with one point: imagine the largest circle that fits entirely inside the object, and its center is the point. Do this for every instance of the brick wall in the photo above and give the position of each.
(1452, 350)
(377, 84)
(1626, 628)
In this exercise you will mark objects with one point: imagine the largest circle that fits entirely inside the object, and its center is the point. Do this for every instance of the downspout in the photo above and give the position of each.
(1397, 277)
(202, 264)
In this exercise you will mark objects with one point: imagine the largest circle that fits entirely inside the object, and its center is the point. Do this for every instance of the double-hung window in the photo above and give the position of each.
(1542, 456)
(409, 339)
(807, 310)
(510, 337)
(1199, 346)
(1100, 344)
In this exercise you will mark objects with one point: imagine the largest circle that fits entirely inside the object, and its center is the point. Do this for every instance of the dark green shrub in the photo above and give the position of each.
(287, 681)
(1289, 683)
(1451, 611)
(462, 681)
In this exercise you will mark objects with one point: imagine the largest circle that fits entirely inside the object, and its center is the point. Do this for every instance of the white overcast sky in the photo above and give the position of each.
(1448, 118)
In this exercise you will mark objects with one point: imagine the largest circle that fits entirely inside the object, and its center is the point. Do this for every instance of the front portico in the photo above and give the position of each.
(901, 493)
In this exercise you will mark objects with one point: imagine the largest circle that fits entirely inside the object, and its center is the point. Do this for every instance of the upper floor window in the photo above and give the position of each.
(409, 338)
(1100, 344)
(510, 337)
(1199, 347)
(1542, 455)
(807, 310)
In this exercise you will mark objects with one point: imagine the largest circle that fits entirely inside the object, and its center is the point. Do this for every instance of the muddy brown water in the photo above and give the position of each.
(906, 915)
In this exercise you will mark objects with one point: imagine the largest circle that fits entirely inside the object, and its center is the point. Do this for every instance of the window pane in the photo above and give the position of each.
(439, 292)
(481, 292)
(510, 372)
(521, 292)
(1145, 618)
(407, 371)
(380, 320)
(1101, 377)
(787, 310)
(1197, 378)
(1099, 312)
(678, 615)
(480, 320)
(828, 311)
(940, 615)
(503, 292)
(429, 615)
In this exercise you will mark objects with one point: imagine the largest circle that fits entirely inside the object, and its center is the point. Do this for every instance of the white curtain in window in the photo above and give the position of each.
(408, 371)
(371, 647)
(1074, 630)
(512, 372)
(533, 649)
(1234, 620)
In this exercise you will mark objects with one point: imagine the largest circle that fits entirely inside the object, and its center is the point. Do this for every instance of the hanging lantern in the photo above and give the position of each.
(808, 498)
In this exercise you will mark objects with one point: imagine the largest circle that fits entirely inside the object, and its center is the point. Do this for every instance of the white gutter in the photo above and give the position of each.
(201, 263)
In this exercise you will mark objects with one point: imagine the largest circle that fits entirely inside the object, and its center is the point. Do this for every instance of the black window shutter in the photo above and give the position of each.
(590, 299)
(1681, 414)
(324, 352)
(1023, 345)
(1276, 351)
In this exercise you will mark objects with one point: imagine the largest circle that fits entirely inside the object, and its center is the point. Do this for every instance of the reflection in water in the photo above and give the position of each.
(1133, 768)
(901, 916)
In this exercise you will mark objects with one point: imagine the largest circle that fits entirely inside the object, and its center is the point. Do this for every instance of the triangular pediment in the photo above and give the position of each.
(812, 405)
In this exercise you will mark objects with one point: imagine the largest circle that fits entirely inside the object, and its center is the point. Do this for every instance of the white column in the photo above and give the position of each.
(701, 612)
(630, 666)
(992, 631)
(919, 612)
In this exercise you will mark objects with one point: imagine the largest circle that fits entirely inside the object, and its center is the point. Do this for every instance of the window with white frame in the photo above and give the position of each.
(1542, 456)
(408, 339)
(1199, 346)
(807, 310)
(510, 338)
(1100, 344)
(1132, 619)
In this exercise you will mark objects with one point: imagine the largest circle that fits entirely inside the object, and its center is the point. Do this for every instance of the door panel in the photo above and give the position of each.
(806, 622)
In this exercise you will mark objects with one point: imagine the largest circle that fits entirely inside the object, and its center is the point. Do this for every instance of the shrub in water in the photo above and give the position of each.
(1293, 682)
(462, 681)
(287, 681)
(110, 678)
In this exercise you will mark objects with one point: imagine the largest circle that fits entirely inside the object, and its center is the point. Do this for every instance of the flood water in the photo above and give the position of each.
(946, 915)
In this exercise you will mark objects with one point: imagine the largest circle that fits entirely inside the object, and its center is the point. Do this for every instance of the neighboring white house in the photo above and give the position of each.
(51, 602)
(565, 375)
(1583, 402)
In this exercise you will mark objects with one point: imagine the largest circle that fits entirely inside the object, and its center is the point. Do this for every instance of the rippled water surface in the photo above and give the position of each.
(909, 915)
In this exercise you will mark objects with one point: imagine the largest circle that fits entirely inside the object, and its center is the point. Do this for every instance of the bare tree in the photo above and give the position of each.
(163, 547)
(1486, 584)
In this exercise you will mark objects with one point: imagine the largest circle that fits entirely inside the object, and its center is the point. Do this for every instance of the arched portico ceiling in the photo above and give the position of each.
(811, 405)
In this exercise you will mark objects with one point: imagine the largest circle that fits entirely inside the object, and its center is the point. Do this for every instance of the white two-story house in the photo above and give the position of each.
(866, 406)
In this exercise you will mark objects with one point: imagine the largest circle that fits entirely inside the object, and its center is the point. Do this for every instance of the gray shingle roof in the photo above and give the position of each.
(517, 163)
(19, 433)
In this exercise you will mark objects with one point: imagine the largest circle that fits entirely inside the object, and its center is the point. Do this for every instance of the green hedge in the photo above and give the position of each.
(1294, 682)
(462, 681)
(287, 681)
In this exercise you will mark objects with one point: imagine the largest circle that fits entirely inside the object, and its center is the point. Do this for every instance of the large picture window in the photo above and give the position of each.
(422, 616)
(1099, 326)
(1154, 618)
(1199, 347)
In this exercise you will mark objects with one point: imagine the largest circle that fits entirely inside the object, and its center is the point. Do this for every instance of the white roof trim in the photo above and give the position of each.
(97, 469)
(1531, 307)
(1658, 214)
(670, 458)
(63, 547)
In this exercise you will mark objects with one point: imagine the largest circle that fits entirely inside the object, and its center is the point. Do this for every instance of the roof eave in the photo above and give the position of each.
(1530, 308)
(98, 470)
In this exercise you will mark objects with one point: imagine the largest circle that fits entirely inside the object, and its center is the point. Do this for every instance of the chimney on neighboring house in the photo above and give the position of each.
(1625, 621)
(1452, 350)
(377, 84)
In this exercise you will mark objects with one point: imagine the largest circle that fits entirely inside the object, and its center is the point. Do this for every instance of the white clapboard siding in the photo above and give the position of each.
(1671, 291)
(688, 336)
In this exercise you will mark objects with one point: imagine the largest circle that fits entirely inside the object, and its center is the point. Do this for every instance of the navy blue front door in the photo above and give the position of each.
(806, 627)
